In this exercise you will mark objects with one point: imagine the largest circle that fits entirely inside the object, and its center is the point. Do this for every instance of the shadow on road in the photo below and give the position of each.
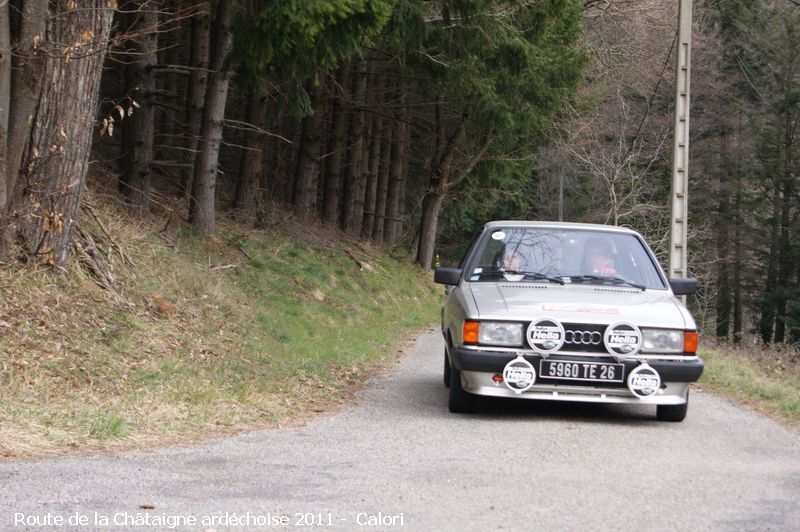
(430, 396)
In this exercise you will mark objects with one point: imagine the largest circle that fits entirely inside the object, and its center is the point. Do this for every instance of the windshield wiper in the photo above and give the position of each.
(536, 275)
(608, 278)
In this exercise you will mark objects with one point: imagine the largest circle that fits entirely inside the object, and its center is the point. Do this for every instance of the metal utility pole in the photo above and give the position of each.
(680, 154)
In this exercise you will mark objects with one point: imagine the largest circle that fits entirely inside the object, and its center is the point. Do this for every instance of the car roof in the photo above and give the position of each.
(559, 225)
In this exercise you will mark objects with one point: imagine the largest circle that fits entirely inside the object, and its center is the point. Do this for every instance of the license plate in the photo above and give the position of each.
(579, 370)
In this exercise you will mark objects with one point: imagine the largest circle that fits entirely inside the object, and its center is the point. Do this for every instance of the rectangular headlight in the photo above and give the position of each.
(662, 341)
(500, 333)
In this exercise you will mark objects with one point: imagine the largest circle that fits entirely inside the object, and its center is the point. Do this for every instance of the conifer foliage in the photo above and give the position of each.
(350, 112)
(409, 123)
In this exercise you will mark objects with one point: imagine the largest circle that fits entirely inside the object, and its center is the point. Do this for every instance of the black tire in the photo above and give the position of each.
(459, 401)
(675, 413)
(446, 372)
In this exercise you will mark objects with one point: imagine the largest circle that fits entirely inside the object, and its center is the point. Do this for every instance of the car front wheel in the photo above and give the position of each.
(673, 412)
(459, 401)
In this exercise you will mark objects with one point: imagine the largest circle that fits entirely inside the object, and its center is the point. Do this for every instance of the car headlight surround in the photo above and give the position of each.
(662, 341)
(500, 333)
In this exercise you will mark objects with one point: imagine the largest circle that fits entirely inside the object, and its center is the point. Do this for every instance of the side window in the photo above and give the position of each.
(635, 264)
(629, 267)
(491, 255)
(467, 253)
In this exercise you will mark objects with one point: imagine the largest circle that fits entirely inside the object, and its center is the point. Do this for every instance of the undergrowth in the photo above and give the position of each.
(208, 336)
(201, 337)
(766, 378)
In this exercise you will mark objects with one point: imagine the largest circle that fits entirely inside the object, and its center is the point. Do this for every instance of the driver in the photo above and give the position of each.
(598, 258)
(511, 259)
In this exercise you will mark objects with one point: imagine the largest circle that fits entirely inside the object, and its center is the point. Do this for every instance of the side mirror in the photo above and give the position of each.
(683, 287)
(448, 276)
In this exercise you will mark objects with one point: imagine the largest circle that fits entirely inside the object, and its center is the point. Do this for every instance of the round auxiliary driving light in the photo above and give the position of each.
(545, 335)
(623, 339)
(519, 375)
(644, 381)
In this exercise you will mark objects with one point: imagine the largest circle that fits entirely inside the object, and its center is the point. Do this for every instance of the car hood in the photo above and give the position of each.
(579, 304)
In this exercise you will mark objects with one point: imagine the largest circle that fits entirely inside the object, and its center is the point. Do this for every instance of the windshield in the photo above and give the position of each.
(568, 255)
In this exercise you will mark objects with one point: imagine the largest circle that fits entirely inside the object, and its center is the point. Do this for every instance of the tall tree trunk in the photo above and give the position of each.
(138, 129)
(5, 98)
(383, 185)
(738, 264)
(251, 166)
(26, 86)
(202, 212)
(266, 182)
(738, 231)
(354, 164)
(794, 333)
(723, 295)
(47, 196)
(394, 197)
(361, 186)
(400, 220)
(285, 162)
(369, 132)
(336, 148)
(439, 175)
(785, 266)
(198, 82)
(392, 221)
(431, 205)
(305, 180)
(767, 320)
(168, 140)
(443, 177)
(373, 176)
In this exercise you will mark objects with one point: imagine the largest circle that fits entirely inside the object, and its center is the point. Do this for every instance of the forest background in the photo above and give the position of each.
(410, 123)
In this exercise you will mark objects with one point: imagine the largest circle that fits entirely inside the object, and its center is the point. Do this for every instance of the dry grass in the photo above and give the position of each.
(765, 378)
(204, 337)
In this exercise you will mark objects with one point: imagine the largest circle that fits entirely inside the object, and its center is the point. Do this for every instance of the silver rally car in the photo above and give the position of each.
(567, 312)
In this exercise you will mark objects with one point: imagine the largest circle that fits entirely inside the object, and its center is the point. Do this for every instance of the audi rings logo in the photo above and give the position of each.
(583, 337)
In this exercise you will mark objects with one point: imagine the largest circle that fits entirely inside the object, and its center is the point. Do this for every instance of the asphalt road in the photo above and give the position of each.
(398, 458)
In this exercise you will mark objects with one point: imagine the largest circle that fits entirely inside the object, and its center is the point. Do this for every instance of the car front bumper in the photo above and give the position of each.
(478, 367)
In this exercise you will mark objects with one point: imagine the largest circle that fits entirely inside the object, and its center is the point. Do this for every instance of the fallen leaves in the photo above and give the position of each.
(163, 307)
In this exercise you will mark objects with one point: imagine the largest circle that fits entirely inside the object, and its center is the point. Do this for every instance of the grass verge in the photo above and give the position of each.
(204, 336)
(769, 383)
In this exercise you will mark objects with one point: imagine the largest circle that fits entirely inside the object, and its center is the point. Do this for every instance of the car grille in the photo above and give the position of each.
(584, 337)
